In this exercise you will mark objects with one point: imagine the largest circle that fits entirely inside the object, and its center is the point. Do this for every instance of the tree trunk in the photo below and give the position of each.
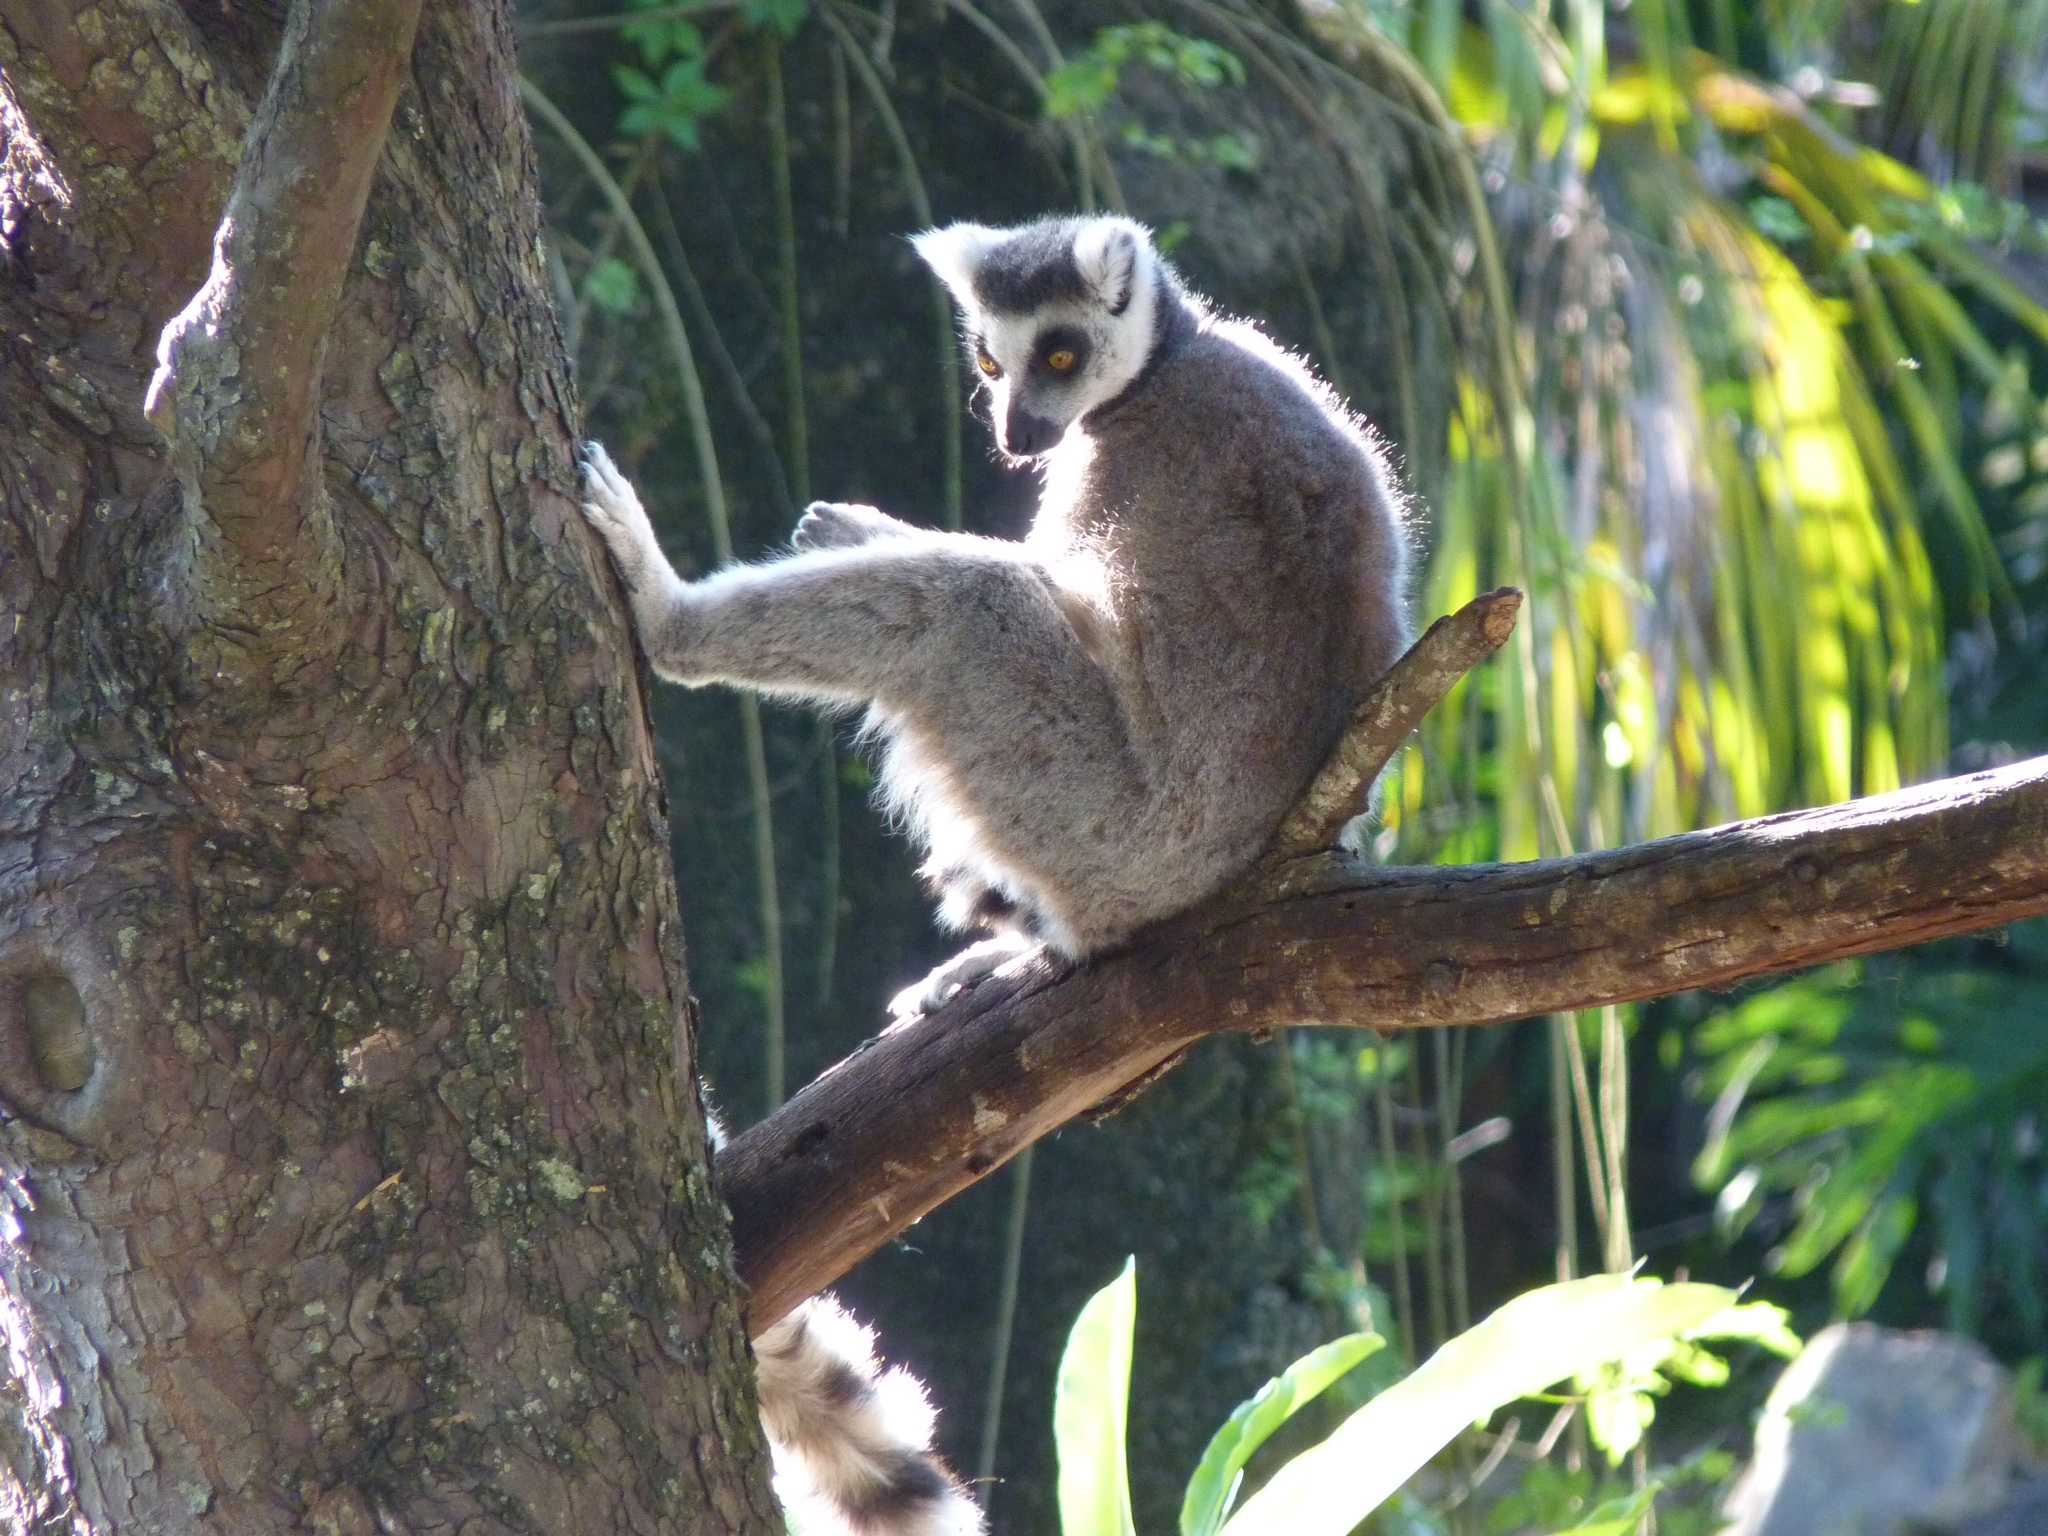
(352, 1163)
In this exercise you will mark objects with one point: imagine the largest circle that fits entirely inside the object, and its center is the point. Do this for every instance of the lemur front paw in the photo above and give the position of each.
(613, 508)
(842, 525)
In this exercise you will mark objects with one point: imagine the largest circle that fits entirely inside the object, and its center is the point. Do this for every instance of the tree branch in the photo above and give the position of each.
(237, 387)
(931, 1106)
(1390, 711)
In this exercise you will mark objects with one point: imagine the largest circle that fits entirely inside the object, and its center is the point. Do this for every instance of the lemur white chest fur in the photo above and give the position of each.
(1098, 726)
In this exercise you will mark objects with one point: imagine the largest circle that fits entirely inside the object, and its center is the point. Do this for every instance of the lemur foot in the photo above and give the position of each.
(842, 525)
(973, 964)
(613, 508)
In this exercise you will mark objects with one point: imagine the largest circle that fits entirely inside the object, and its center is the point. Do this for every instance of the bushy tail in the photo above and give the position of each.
(852, 1442)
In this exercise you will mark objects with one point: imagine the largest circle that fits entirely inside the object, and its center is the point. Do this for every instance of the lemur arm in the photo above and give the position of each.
(612, 507)
(869, 609)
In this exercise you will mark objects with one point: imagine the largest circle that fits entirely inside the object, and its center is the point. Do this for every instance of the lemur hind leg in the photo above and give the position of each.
(973, 965)
(1005, 735)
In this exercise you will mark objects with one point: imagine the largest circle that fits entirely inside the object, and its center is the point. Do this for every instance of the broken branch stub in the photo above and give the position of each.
(237, 386)
(1391, 709)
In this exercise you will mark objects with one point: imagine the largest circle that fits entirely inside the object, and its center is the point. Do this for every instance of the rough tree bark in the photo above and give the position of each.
(351, 1168)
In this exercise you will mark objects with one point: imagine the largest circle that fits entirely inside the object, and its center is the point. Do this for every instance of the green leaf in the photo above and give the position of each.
(1158, 145)
(1756, 1322)
(1912, 1099)
(752, 975)
(612, 286)
(1087, 82)
(1866, 1258)
(1617, 1517)
(785, 16)
(1080, 85)
(1533, 1341)
(1215, 1482)
(673, 106)
(1233, 153)
(1698, 1367)
(1779, 220)
(1621, 1395)
(658, 39)
(1618, 1414)
(1089, 1410)
(634, 83)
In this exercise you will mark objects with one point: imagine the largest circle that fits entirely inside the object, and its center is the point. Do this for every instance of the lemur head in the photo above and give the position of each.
(1060, 316)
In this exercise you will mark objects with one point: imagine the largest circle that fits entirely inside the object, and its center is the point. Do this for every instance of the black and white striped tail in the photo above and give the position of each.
(852, 1442)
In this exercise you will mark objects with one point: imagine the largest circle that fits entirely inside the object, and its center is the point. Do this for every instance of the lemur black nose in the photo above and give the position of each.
(1027, 435)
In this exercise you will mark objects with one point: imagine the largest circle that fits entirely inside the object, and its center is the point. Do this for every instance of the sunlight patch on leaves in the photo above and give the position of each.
(1531, 1342)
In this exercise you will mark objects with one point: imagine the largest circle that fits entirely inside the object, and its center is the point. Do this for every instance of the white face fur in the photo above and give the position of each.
(1060, 317)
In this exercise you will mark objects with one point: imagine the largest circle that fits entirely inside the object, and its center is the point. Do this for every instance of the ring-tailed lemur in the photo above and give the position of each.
(1088, 730)
(1098, 726)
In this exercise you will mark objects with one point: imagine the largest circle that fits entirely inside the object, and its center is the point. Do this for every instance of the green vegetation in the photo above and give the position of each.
(1847, 1101)
(1612, 1334)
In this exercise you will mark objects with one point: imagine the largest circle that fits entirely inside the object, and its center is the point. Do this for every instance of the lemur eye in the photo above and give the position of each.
(1060, 359)
(986, 364)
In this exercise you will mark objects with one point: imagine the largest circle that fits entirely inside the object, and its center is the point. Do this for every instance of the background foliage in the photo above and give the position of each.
(1713, 325)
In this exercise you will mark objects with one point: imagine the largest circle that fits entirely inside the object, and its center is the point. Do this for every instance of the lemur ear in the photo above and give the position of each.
(954, 253)
(1107, 252)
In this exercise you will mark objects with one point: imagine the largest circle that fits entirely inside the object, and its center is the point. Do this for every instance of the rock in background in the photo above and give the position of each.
(1873, 1432)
